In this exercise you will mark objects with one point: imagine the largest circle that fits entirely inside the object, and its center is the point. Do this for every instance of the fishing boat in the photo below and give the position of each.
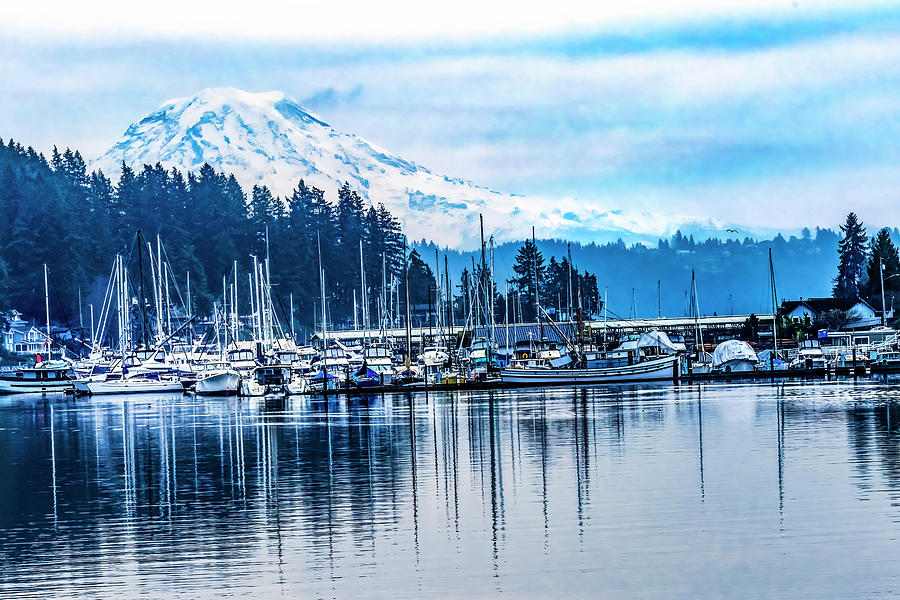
(654, 369)
(51, 376)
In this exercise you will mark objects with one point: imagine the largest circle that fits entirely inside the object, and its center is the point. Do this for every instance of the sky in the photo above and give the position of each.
(761, 114)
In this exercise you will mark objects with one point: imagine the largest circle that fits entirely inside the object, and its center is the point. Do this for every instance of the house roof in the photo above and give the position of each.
(820, 305)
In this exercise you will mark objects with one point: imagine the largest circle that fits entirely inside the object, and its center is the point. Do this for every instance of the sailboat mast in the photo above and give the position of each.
(774, 310)
(168, 302)
(408, 312)
(365, 301)
(159, 284)
(696, 308)
(569, 289)
(47, 307)
(324, 322)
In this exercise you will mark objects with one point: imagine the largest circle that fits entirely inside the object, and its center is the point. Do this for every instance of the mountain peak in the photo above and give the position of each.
(268, 138)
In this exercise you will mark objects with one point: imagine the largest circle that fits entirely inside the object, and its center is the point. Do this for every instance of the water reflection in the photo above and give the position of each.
(718, 487)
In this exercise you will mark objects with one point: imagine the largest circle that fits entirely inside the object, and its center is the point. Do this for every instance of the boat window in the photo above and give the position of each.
(862, 340)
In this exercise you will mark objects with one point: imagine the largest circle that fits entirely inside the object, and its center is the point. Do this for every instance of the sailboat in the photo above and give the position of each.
(122, 377)
(45, 376)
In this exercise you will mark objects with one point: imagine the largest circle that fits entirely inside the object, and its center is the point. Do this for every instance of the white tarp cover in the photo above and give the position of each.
(657, 339)
(733, 350)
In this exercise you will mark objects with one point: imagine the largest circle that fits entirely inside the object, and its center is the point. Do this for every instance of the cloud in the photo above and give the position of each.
(727, 118)
(390, 21)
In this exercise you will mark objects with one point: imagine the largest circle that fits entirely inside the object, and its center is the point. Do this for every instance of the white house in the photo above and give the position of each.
(861, 312)
(23, 337)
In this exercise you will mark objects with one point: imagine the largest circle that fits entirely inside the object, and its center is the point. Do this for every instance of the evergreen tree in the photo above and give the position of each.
(883, 254)
(421, 285)
(529, 266)
(852, 252)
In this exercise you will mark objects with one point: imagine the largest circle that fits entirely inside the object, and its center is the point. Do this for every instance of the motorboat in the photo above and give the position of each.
(434, 356)
(378, 357)
(217, 379)
(809, 356)
(267, 379)
(48, 376)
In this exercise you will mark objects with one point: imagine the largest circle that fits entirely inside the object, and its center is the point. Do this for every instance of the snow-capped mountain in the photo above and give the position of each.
(267, 138)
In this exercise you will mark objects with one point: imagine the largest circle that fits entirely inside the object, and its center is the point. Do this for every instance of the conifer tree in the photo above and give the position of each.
(884, 253)
(529, 266)
(852, 252)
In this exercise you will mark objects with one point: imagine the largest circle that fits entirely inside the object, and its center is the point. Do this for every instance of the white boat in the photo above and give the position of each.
(434, 356)
(144, 383)
(734, 356)
(888, 358)
(43, 377)
(218, 379)
(267, 380)
(657, 369)
(336, 362)
(809, 356)
(378, 357)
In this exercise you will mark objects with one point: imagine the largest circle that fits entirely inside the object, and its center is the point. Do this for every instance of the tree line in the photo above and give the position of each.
(54, 211)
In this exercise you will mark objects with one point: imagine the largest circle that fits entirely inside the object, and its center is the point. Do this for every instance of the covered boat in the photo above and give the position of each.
(734, 356)
(318, 381)
(365, 377)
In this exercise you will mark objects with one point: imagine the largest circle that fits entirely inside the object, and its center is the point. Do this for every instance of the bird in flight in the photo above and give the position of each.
(732, 231)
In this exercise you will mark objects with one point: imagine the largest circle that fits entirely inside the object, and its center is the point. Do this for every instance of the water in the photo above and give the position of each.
(711, 490)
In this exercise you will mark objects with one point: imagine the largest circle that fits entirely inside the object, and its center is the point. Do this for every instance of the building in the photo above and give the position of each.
(861, 314)
(22, 337)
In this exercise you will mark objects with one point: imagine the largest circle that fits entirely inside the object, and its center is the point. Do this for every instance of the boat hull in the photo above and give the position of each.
(220, 384)
(12, 386)
(133, 387)
(661, 369)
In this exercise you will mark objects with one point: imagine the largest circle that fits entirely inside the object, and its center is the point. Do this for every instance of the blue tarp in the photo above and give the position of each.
(318, 376)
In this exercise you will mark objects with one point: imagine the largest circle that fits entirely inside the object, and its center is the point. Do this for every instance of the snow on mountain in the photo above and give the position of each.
(267, 138)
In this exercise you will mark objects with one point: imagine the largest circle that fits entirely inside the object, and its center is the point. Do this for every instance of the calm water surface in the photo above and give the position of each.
(711, 490)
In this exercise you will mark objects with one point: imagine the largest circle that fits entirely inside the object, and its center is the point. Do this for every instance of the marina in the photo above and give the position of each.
(720, 486)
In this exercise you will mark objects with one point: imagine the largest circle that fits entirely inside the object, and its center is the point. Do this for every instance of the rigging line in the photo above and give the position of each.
(59, 301)
(172, 276)
(129, 282)
(281, 306)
